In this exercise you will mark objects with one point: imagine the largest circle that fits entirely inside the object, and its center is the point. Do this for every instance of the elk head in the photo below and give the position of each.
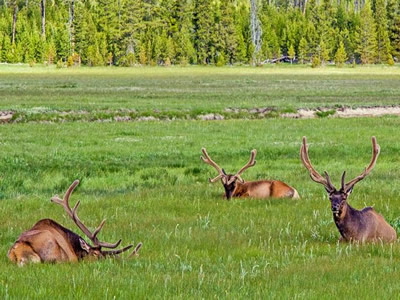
(337, 197)
(229, 181)
(90, 251)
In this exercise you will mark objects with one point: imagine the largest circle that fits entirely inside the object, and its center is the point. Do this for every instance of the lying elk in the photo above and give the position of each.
(48, 241)
(354, 225)
(235, 186)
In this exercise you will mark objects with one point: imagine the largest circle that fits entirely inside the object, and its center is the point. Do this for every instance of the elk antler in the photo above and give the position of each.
(73, 214)
(375, 153)
(313, 173)
(210, 162)
(249, 164)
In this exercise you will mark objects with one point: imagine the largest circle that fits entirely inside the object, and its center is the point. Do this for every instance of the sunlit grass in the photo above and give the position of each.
(193, 90)
(147, 179)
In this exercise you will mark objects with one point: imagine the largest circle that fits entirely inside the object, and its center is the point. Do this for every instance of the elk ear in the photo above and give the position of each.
(84, 245)
(223, 171)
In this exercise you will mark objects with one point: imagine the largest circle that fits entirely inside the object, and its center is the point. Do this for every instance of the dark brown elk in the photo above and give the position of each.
(48, 241)
(364, 225)
(235, 186)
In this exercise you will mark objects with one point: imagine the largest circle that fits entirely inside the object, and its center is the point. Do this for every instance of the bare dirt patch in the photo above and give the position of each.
(344, 112)
(122, 115)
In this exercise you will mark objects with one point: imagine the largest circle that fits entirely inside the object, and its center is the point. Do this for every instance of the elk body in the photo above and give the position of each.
(364, 225)
(235, 186)
(48, 241)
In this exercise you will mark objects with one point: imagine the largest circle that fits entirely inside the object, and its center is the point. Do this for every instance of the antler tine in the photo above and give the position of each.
(249, 164)
(315, 176)
(90, 235)
(137, 248)
(375, 153)
(212, 163)
(65, 201)
(116, 252)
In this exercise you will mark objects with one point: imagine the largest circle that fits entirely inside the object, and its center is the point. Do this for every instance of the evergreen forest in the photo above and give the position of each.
(203, 32)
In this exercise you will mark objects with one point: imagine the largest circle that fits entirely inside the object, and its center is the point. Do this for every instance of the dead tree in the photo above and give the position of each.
(256, 31)
(43, 14)
(14, 21)
(71, 26)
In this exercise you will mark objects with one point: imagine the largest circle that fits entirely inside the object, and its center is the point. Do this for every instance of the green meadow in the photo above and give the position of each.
(147, 180)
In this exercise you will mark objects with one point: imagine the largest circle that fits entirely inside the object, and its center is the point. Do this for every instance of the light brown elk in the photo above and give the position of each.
(364, 225)
(48, 241)
(235, 186)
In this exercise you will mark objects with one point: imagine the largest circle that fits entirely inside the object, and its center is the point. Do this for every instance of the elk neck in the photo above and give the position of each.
(239, 190)
(346, 221)
(235, 189)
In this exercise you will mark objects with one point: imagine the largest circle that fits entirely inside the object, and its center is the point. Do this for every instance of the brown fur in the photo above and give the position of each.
(264, 189)
(363, 225)
(354, 225)
(47, 241)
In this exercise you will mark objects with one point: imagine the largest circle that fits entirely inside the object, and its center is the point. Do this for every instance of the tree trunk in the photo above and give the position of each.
(304, 7)
(14, 21)
(256, 30)
(43, 12)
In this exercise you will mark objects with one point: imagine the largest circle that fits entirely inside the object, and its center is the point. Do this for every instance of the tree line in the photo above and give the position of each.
(165, 32)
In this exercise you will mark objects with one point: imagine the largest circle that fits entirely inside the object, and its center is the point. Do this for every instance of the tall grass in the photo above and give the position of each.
(148, 181)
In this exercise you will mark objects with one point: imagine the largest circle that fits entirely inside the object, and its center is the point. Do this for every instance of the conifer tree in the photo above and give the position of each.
(383, 52)
(393, 13)
(340, 56)
(366, 36)
(303, 46)
(203, 27)
(323, 53)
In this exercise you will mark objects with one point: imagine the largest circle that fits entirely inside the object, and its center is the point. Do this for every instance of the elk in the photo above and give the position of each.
(235, 186)
(48, 241)
(364, 225)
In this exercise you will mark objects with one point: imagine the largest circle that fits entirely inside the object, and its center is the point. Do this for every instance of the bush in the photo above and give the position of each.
(167, 62)
(60, 64)
(220, 60)
(70, 61)
(390, 60)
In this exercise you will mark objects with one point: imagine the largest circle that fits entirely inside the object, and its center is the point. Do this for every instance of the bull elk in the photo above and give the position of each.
(364, 225)
(235, 186)
(48, 241)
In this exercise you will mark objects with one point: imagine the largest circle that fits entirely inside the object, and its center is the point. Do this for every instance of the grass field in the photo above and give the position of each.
(42, 93)
(147, 179)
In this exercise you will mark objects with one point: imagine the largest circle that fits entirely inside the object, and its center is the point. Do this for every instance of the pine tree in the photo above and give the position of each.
(303, 50)
(393, 12)
(366, 36)
(340, 56)
(383, 44)
(323, 53)
(228, 30)
(203, 26)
